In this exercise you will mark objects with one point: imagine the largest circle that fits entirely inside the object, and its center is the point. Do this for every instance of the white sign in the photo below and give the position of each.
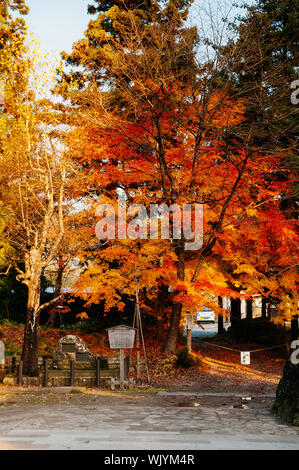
(121, 337)
(245, 357)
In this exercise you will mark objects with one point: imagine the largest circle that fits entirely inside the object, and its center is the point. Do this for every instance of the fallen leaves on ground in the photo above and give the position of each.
(220, 369)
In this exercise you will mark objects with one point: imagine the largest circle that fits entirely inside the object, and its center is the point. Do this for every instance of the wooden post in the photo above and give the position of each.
(20, 374)
(139, 326)
(72, 373)
(189, 340)
(98, 376)
(45, 373)
(122, 368)
(220, 317)
(138, 353)
(264, 307)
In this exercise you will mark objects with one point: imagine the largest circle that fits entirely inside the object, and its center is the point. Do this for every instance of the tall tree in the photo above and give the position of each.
(264, 76)
(165, 128)
(32, 181)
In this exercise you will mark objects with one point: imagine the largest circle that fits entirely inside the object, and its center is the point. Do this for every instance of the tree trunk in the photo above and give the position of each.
(220, 317)
(172, 334)
(30, 345)
(58, 285)
(160, 318)
(294, 328)
(100, 316)
(269, 311)
(161, 335)
(235, 316)
(33, 267)
(248, 317)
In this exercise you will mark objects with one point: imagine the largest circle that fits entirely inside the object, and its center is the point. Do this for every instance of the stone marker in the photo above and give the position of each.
(72, 348)
(2, 354)
(10, 381)
(286, 405)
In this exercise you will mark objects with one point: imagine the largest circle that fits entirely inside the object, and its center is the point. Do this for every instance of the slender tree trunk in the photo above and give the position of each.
(172, 334)
(171, 340)
(58, 285)
(160, 318)
(30, 345)
(235, 316)
(220, 317)
(248, 317)
(294, 328)
(100, 317)
(33, 272)
(269, 311)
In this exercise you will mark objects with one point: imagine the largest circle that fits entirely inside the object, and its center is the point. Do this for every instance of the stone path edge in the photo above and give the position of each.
(220, 394)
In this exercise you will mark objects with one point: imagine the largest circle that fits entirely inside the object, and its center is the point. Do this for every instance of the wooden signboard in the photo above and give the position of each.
(121, 337)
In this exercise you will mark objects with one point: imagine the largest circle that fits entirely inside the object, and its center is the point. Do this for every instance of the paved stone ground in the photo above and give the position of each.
(135, 421)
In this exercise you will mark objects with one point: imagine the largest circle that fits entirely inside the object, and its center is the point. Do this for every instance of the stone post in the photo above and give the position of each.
(2, 355)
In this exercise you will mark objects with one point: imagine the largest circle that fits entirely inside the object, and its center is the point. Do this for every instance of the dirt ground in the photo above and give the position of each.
(33, 396)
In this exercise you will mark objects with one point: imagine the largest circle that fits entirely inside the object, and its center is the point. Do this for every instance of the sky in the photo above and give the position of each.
(57, 23)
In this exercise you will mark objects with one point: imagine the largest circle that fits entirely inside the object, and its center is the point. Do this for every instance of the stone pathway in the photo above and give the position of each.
(163, 421)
